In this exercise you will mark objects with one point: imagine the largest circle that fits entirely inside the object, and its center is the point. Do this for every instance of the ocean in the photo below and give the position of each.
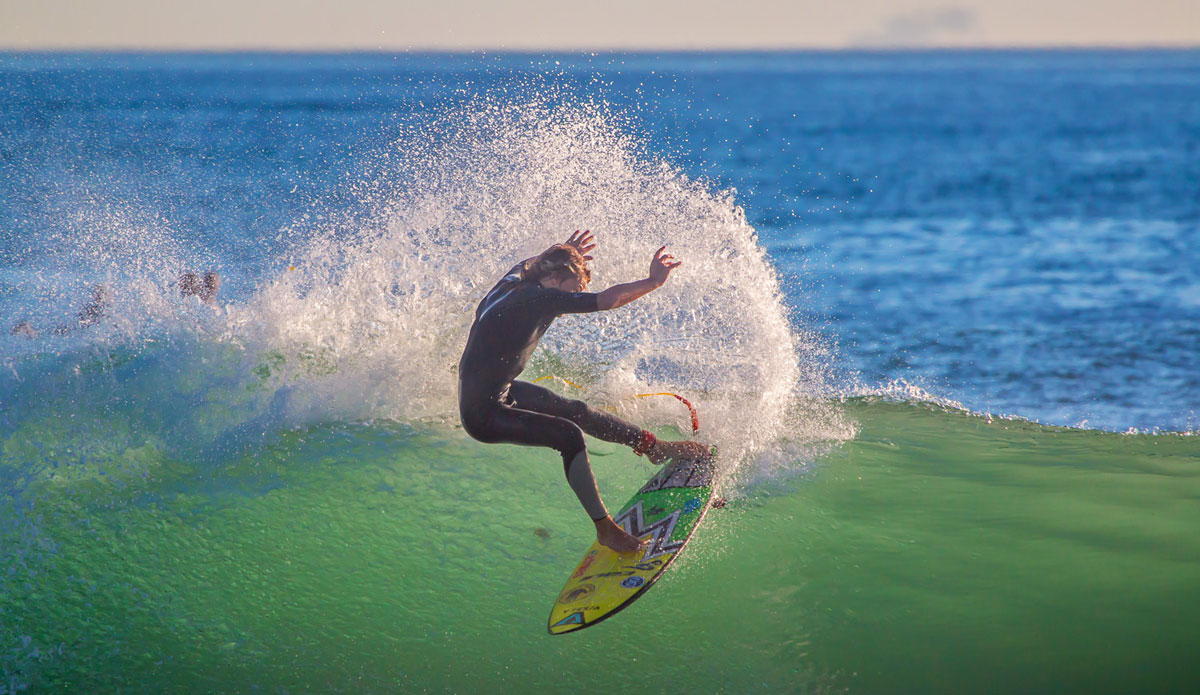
(939, 311)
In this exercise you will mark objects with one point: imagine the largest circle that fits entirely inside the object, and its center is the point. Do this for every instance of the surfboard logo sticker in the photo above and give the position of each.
(633, 520)
(587, 562)
(577, 594)
(697, 473)
(572, 619)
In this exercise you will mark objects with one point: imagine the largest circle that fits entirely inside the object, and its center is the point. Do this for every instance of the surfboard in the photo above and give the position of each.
(665, 513)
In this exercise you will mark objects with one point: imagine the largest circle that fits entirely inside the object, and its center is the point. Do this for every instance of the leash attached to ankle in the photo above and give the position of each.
(646, 443)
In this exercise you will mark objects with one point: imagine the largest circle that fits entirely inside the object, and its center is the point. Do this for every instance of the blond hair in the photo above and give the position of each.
(557, 261)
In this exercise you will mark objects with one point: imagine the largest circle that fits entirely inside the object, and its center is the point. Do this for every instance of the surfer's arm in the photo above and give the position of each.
(620, 295)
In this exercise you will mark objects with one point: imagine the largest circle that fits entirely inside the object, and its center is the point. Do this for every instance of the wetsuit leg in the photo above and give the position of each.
(597, 423)
(493, 422)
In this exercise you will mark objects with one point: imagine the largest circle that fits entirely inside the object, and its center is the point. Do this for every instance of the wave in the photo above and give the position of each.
(369, 552)
(367, 318)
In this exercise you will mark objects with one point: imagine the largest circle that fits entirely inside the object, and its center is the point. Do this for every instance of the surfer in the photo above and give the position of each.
(203, 286)
(509, 322)
(89, 315)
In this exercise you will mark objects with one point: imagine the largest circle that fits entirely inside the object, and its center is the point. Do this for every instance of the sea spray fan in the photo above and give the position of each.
(386, 295)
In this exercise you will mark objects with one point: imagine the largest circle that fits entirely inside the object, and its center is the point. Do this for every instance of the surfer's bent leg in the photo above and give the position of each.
(600, 424)
(495, 423)
(597, 423)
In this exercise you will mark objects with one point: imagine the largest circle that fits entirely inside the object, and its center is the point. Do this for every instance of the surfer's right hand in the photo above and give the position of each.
(583, 242)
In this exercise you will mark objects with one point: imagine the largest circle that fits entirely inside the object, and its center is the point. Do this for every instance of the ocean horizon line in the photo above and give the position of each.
(610, 50)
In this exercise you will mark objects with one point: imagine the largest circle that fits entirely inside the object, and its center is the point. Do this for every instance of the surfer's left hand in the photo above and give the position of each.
(583, 242)
(662, 265)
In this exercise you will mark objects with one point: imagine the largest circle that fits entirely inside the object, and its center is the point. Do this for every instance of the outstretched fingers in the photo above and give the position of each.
(662, 265)
(666, 259)
(583, 242)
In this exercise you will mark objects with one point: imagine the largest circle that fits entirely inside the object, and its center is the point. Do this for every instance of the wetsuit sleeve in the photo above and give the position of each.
(558, 302)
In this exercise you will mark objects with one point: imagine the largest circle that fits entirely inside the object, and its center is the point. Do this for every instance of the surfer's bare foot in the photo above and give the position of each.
(664, 451)
(612, 536)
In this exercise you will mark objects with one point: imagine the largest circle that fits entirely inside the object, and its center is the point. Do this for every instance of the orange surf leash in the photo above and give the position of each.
(691, 408)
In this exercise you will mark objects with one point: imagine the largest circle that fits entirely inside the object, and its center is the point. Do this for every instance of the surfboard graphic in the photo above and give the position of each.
(664, 513)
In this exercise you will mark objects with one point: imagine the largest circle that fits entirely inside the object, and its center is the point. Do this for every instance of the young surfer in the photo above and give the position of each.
(509, 322)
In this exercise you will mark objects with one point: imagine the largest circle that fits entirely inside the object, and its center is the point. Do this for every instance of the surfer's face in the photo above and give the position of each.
(566, 282)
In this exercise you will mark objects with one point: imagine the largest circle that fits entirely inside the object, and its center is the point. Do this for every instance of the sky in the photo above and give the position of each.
(398, 25)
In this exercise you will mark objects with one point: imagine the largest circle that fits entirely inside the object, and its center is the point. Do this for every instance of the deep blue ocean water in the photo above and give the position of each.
(939, 311)
(1010, 230)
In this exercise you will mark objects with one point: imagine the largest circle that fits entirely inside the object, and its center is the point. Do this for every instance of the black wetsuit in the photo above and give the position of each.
(509, 322)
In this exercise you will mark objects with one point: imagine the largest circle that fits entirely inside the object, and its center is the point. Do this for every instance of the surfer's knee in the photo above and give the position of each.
(477, 423)
(479, 434)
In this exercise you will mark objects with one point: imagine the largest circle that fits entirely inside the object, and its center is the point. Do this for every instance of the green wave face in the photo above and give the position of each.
(935, 552)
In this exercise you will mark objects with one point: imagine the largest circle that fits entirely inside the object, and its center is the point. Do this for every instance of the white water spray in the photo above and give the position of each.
(378, 306)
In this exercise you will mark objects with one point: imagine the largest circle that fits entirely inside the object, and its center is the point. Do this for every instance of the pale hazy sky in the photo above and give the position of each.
(589, 24)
